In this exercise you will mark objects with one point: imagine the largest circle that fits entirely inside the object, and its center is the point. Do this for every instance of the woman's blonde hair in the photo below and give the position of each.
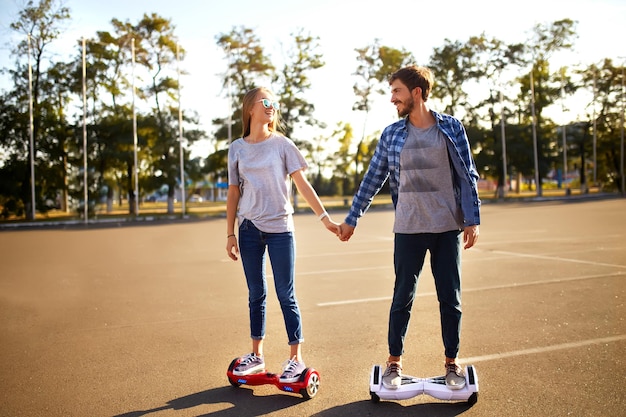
(249, 100)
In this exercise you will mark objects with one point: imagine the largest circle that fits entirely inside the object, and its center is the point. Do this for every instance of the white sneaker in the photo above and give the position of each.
(292, 369)
(392, 378)
(249, 364)
(455, 377)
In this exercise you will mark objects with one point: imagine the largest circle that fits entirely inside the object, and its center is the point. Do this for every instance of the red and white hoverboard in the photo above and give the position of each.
(307, 385)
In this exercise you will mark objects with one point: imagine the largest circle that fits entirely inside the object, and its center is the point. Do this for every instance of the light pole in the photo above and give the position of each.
(31, 131)
(229, 94)
(180, 135)
(621, 163)
(502, 130)
(567, 190)
(136, 168)
(86, 194)
(595, 136)
(535, 151)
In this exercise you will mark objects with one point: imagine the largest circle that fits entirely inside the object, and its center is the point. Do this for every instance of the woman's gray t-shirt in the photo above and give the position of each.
(261, 171)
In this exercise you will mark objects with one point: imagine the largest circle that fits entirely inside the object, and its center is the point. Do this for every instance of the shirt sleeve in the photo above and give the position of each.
(294, 161)
(376, 175)
(233, 164)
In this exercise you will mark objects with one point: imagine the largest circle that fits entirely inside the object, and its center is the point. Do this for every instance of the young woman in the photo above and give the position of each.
(260, 165)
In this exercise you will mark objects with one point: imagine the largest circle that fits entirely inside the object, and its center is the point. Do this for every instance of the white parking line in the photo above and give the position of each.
(533, 351)
(466, 290)
(556, 258)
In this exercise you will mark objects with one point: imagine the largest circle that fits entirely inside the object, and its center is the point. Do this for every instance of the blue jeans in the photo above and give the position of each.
(281, 250)
(445, 261)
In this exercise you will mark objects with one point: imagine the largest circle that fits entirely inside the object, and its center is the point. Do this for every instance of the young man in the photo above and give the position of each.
(433, 181)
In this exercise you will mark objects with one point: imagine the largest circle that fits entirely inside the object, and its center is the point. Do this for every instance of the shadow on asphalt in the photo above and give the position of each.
(396, 409)
(243, 402)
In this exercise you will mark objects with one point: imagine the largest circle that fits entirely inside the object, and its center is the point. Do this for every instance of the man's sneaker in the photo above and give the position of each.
(392, 378)
(292, 369)
(455, 377)
(249, 364)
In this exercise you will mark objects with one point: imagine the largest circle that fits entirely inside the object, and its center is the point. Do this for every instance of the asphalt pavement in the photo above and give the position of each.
(144, 319)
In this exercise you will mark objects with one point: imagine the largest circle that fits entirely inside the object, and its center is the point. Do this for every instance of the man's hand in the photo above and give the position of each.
(470, 236)
(346, 232)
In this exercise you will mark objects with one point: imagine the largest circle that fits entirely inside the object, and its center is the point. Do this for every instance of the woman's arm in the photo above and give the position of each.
(306, 190)
(232, 202)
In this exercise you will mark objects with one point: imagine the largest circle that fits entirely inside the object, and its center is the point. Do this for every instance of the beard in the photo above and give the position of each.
(406, 107)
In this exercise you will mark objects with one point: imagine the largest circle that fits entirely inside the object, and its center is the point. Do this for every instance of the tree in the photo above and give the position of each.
(40, 24)
(343, 158)
(293, 82)
(490, 59)
(545, 41)
(109, 57)
(452, 64)
(605, 84)
(107, 83)
(14, 179)
(375, 63)
(247, 65)
(159, 45)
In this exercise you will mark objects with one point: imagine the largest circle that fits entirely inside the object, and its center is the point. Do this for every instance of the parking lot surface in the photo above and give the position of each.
(143, 320)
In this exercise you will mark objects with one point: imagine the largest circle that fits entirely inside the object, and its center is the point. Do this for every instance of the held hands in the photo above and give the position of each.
(343, 231)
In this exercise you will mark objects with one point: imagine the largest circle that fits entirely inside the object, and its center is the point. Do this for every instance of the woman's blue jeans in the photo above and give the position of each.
(281, 250)
(445, 260)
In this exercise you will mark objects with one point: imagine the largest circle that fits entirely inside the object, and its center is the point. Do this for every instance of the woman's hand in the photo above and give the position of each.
(232, 248)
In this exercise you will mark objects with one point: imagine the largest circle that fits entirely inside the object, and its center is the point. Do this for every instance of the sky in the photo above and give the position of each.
(342, 26)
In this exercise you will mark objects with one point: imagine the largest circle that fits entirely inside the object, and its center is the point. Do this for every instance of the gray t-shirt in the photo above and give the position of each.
(426, 202)
(261, 171)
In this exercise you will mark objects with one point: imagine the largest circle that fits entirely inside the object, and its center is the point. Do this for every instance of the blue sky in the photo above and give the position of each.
(341, 26)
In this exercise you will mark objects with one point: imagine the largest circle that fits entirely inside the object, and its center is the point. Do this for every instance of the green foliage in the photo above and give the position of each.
(293, 81)
(338, 158)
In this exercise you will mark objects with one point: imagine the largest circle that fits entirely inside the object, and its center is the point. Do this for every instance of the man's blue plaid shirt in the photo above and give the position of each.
(385, 164)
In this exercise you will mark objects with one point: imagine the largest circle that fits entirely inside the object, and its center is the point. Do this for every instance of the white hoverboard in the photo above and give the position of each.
(435, 387)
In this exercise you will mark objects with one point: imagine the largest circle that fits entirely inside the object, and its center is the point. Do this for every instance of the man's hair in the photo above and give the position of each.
(413, 77)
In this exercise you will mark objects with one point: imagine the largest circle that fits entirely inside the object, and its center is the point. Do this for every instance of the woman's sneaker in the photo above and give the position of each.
(249, 364)
(292, 369)
(392, 378)
(455, 377)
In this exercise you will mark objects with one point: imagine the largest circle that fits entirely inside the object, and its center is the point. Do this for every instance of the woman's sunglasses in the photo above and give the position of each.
(267, 103)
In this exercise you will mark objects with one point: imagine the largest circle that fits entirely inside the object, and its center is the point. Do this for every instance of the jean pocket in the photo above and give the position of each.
(246, 224)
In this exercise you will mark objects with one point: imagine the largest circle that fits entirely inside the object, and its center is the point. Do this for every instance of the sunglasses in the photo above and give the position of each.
(267, 103)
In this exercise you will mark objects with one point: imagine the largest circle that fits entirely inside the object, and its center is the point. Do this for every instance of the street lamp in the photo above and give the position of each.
(535, 151)
(567, 190)
(31, 131)
(180, 134)
(502, 130)
(595, 140)
(86, 193)
(621, 163)
(136, 170)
